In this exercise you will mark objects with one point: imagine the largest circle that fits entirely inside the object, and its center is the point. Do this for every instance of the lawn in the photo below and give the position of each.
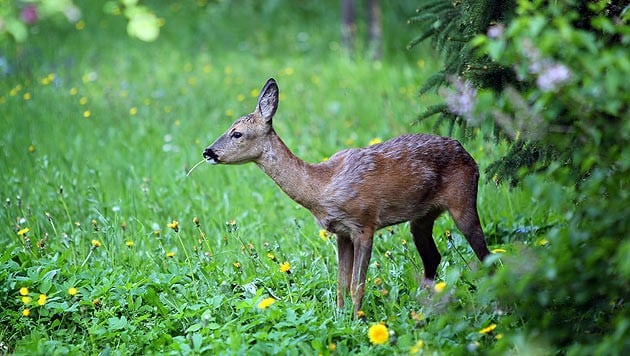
(109, 247)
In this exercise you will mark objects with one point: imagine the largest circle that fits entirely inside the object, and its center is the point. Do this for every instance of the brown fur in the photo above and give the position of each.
(358, 191)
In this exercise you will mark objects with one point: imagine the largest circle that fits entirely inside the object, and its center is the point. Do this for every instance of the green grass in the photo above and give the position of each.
(98, 133)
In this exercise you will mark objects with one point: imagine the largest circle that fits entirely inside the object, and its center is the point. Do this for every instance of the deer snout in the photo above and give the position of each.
(210, 156)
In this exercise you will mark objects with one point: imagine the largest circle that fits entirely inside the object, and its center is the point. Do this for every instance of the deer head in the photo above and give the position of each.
(245, 140)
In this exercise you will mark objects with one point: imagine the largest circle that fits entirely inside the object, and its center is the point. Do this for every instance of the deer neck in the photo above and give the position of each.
(300, 180)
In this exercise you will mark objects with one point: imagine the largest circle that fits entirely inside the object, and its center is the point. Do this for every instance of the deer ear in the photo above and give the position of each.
(268, 100)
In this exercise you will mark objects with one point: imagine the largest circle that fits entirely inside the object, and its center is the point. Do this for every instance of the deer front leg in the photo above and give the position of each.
(345, 257)
(362, 254)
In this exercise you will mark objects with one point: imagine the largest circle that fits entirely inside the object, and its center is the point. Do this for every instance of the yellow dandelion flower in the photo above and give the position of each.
(174, 225)
(80, 25)
(87, 113)
(324, 235)
(332, 346)
(439, 287)
(417, 347)
(499, 336)
(42, 299)
(83, 101)
(240, 97)
(236, 264)
(499, 250)
(285, 267)
(360, 314)
(23, 231)
(72, 291)
(26, 299)
(488, 329)
(170, 254)
(266, 303)
(74, 91)
(23, 291)
(31, 149)
(129, 243)
(375, 140)
(378, 281)
(27, 96)
(26, 312)
(133, 111)
(378, 334)
(96, 243)
(271, 256)
(542, 242)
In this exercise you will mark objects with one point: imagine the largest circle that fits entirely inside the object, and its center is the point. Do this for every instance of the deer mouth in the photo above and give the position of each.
(210, 156)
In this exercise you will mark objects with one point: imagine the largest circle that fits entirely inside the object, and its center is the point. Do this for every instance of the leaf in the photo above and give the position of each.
(143, 25)
(117, 323)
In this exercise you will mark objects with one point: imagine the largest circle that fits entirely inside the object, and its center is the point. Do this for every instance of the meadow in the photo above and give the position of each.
(110, 248)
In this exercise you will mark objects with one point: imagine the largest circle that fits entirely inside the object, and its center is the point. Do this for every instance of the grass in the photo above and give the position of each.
(99, 131)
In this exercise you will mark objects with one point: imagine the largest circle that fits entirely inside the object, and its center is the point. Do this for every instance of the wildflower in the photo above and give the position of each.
(96, 243)
(87, 113)
(417, 347)
(133, 111)
(488, 329)
(439, 287)
(417, 316)
(129, 243)
(360, 314)
(23, 231)
(72, 291)
(498, 250)
(285, 267)
(26, 312)
(196, 221)
(542, 242)
(496, 30)
(375, 140)
(174, 225)
(23, 291)
(31, 148)
(332, 346)
(552, 76)
(378, 334)
(265, 303)
(42, 299)
(236, 264)
(462, 100)
(378, 281)
(27, 96)
(29, 14)
(324, 235)
(271, 256)
(170, 254)
(26, 299)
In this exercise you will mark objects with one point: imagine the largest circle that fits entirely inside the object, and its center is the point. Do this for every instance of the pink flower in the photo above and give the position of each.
(29, 14)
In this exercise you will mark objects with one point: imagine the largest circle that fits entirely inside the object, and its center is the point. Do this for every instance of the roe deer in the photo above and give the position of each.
(358, 191)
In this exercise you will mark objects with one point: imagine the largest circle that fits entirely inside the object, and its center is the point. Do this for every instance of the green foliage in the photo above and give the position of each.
(18, 18)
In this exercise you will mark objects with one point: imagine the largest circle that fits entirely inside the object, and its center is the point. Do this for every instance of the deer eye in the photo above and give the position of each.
(236, 134)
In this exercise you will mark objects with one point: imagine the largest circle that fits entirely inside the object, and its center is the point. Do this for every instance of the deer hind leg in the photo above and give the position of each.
(345, 257)
(466, 217)
(422, 231)
(362, 254)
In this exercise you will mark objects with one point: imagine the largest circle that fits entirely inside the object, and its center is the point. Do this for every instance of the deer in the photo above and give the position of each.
(410, 178)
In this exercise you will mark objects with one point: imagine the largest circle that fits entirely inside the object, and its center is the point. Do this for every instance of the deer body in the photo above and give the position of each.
(358, 191)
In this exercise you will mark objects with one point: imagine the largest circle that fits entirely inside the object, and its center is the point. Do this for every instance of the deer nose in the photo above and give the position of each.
(209, 155)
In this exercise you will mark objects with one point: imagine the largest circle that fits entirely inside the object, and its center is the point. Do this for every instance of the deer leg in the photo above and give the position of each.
(362, 254)
(345, 258)
(467, 220)
(422, 231)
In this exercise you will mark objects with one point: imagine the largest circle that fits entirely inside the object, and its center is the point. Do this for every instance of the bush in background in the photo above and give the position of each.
(563, 102)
